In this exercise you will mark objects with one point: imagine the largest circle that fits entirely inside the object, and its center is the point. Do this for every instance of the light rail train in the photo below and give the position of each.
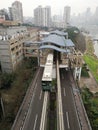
(47, 78)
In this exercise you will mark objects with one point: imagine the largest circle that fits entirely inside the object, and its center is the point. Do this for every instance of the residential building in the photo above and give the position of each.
(4, 14)
(38, 16)
(16, 12)
(10, 13)
(11, 46)
(47, 16)
(57, 21)
(42, 16)
(66, 16)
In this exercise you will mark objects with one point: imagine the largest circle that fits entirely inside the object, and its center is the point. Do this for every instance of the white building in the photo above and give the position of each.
(66, 16)
(10, 13)
(47, 16)
(42, 16)
(17, 11)
(38, 15)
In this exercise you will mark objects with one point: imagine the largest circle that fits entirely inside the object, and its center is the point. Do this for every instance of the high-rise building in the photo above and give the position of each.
(38, 15)
(17, 11)
(10, 13)
(42, 16)
(87, 16)
(47, 16)
(66, 16)
(96, 16)
(4, 14)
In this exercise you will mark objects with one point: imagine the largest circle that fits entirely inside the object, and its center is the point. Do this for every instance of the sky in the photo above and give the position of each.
(57, 6)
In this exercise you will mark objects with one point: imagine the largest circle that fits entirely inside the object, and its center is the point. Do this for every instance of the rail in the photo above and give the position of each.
(43, 123)
(60, 120)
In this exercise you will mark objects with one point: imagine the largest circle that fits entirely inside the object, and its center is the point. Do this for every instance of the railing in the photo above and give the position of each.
(43, 123)
(60, 120)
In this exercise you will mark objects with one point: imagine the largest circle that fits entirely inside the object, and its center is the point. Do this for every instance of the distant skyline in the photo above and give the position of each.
(57, 6)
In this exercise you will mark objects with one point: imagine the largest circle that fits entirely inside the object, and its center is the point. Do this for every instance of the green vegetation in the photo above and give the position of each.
(92, 63)
(91, 100)
(13, 91)
(90, 59)
(89, 47)
(72, 33)
(85, 70)
(91, 104)
(77, 37)
(6, 80)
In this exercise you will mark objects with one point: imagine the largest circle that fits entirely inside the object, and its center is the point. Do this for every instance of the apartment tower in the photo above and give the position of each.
(66, 16)
(17, 11)
(42, 16)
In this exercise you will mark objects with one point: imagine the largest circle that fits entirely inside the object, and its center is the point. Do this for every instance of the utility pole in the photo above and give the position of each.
(2, 105)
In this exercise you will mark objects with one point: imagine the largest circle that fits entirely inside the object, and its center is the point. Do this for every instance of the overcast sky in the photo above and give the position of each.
(57, 6)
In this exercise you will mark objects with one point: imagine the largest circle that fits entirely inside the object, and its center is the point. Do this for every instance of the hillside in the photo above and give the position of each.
(77, 37)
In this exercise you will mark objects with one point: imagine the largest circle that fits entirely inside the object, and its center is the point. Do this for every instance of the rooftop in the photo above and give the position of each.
(53, 38)
(55, 48)
(59, 33)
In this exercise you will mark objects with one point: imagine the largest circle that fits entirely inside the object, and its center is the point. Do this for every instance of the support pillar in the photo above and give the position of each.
(38, 58)
(77, 73)
(38, 61)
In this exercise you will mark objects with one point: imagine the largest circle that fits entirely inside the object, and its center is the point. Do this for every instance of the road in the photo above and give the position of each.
(29, 117)
(33, 118)
(69, 110)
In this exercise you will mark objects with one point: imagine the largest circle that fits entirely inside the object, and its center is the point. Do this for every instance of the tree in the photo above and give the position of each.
(72, 32)
(6, 80)
(77, 37)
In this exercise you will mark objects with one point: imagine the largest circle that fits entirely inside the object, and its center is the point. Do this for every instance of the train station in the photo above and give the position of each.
(57, 43)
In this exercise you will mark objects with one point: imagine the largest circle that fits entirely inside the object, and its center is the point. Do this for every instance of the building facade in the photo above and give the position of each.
(11, 46)
(4, 14)
(16, 11)
(38, 15)
(42, 16)
(10, 13)
(66, 15)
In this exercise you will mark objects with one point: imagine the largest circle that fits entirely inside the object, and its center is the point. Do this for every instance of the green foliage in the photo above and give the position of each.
(31, 63)
(54, 82)
(92, 62)
(86, 95)
(84, 72)
(96, 94)
(10, 117)
(95, 124)
(18, 85)
(6, 80)
(72, 32)
(77, 37)
(91, 105)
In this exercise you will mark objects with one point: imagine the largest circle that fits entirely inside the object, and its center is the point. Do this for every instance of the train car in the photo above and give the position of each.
(47, 74)
(49, 60)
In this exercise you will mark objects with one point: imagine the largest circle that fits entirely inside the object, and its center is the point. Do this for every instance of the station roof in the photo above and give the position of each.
(29, 43)
(55, 48)
(69, 43)
(59, 33)
(58, 40)
(53, 38)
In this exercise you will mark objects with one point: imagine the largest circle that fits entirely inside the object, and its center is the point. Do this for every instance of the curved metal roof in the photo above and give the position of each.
(53, 38)
(55, 48)
(59, 33)
(69, 43)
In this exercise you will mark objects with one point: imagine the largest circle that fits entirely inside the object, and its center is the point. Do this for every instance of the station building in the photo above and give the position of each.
(19, 42)
(56, 42)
